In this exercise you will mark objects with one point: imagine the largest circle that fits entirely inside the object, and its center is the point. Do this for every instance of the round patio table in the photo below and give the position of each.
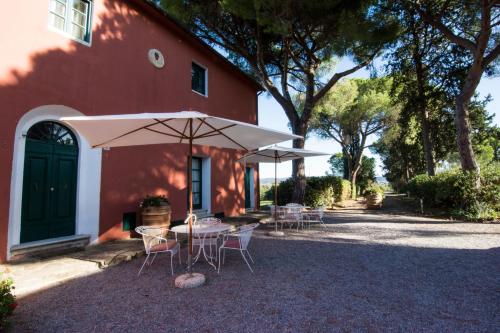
(201, 231)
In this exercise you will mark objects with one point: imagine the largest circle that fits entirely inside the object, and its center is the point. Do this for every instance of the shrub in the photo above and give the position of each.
(320, 191)
(285, 191)
(7, 301)
(267, 192)
(374, 188)
(342, 189)
(154, 201)
(455, 190)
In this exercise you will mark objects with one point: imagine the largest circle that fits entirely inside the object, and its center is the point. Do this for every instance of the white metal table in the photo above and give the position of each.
(201, 231)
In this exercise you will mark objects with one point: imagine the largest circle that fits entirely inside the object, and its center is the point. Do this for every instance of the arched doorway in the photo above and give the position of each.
(49, 182)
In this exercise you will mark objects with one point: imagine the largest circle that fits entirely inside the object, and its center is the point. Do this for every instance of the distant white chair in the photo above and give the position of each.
(293, 204)
(314, 216)
(238, 240)
(210, 240)
(155, 242)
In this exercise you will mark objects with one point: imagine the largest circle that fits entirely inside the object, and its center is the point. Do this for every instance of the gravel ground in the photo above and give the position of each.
(363, 273)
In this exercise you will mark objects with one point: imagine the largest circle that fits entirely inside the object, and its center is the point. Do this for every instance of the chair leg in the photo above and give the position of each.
(154, 257)
(250, 256)
(172, 263)
(218, 269)
(245, 258)
(143, 264)
(223, 256)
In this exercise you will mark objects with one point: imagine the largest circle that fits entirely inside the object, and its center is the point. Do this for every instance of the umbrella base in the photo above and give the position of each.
(276, 233)
(187, 280)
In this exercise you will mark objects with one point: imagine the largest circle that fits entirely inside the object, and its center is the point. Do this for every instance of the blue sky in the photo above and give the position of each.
(271, 115)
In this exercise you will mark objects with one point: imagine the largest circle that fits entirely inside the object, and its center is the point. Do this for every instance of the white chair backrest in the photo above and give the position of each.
(281, 212)
(293, 212)
(195, 218)
(209, 220)
(150, 235)
(293, 204)
(245, 234)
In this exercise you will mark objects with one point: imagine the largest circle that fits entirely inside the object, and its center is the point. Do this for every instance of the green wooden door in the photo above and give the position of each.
(49, 183)
(248, 192)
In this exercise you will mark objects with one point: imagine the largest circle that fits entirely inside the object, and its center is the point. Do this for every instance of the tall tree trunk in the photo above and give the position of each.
(430, 162)
(298, 166)
(424, 122)
(353, 177)
(462, 124)
(346, 162)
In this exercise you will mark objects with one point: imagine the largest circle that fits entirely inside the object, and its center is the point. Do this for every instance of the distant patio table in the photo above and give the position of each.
(202, 230)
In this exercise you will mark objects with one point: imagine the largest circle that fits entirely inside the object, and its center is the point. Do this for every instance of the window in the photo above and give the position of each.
(199, 79)
(196, 174)
(71, 17)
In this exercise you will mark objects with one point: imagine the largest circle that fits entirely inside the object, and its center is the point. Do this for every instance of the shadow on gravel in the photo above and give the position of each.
(299, 285)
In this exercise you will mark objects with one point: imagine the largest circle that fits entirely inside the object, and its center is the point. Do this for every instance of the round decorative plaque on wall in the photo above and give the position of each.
(156, 58)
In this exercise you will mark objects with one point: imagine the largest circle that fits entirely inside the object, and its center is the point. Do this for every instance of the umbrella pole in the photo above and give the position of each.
(276, 191)
(190, 196)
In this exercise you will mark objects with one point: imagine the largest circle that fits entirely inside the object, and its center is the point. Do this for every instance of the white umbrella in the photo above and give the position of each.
(277, 154)
(179, 127)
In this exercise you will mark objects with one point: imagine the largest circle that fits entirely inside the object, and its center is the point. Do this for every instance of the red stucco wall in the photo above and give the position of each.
(41, 67)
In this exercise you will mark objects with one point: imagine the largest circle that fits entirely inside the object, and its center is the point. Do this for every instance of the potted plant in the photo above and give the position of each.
(156, 211)
(7, 302)
(374, 196)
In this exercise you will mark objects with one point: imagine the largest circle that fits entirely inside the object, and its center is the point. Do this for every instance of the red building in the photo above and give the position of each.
(97, 57)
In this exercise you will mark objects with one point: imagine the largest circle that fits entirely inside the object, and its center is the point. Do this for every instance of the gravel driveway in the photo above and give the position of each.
(365, 272)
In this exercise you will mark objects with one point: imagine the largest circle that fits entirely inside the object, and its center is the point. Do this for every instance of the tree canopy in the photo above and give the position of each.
(351, 112)
(291, 47)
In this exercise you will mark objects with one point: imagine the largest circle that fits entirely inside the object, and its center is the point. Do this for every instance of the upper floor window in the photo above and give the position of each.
(199, 79)
(72, 17)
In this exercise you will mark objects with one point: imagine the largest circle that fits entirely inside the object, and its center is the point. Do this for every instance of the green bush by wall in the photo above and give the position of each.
(320, 191)
(7, 302)
(455, 191)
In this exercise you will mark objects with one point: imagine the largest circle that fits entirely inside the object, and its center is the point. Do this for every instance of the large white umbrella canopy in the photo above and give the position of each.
(187, 127)
(156, 128)
(278, 154)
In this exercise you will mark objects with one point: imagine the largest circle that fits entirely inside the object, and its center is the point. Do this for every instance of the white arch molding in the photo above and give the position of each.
(88, 176)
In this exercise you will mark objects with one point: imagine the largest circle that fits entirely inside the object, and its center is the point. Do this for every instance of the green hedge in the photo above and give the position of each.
(7, 302)
(320, 191)
(342, 189)
(455, 190)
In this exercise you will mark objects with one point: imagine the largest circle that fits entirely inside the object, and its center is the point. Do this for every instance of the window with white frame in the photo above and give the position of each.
(72, 17)
(199, 79)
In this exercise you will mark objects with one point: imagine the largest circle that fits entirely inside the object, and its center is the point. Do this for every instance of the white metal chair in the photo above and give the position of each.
(210, 240)
(238, 240)
(155, 242)
(314, 216)
(293, 204)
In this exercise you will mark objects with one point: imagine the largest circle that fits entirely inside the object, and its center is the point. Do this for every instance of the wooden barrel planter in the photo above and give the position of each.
(374, 200)
(157, 216)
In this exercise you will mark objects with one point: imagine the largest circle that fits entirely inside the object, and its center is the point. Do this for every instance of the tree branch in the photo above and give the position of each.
(337, 76)
(465, 43)
(492, 56)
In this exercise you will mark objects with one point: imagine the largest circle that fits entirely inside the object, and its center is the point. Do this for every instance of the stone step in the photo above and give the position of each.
(49, 247)
(112, 252)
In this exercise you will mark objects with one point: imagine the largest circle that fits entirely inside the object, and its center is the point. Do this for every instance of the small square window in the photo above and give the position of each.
(72, 17)
(199, 79)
